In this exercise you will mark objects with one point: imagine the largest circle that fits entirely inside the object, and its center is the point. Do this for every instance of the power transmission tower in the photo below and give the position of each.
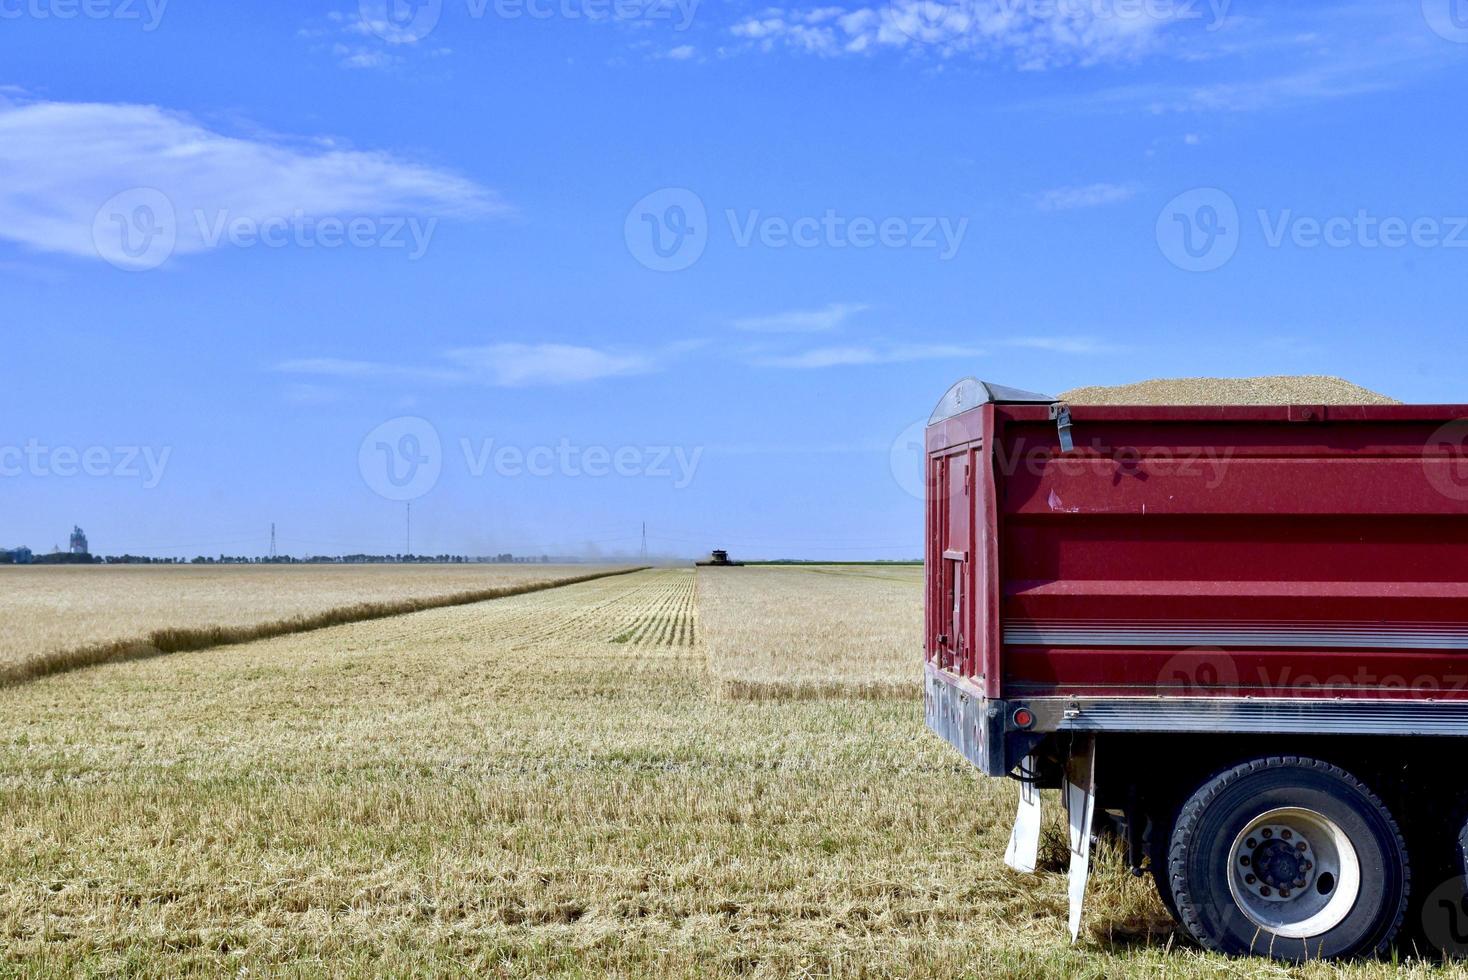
(643, 553)
(272, 540)
(410, 527)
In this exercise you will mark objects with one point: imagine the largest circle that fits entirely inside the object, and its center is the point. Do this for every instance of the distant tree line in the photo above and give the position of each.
(23, 556)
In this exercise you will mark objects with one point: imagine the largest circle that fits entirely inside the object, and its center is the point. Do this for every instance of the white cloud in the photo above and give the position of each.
(802, 321)
(522, 365)
(1089, 196)
(1033, 36)
(336, 367)
(1061, 345)
(681, 53)
(858, 354)
(63, 161)
(359, 57)
(505, 365)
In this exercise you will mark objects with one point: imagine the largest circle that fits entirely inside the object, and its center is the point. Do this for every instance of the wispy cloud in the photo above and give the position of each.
(1089, 196)
(370, 39)
(859, 354)
(1032, 36)
(1335, 52)
(63, 161)
(802, 321)
(358, 57)
(502, 365)
(1061, 345)
(522, 365)
(337, 367)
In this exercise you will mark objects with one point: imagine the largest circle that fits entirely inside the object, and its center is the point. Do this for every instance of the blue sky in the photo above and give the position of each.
(551, 268)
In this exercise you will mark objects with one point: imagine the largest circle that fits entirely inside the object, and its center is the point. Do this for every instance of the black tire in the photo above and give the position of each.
(1202, 855)
(1163, 881)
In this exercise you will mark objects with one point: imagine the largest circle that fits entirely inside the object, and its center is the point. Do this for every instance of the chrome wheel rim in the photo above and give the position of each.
(1294, 873)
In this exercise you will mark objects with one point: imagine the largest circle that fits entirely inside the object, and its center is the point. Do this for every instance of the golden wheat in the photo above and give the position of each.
(441, 794)
(59, 618)
(813, 631)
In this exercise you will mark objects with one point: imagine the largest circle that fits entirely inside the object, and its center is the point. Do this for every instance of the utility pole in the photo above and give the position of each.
(644, 541)
(272, 540)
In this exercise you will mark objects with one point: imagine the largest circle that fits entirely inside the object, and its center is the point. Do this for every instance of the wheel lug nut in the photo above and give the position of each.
(1300, 846)
(1264, 890)
(1308, 865)
(1300, 883)
(1251, 842)
(1268, 833)
(1286, 835)
(1284, 893)
(1250, 879)
(1244, 861)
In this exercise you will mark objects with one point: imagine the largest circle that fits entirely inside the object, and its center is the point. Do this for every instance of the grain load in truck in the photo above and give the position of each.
(1239, 630)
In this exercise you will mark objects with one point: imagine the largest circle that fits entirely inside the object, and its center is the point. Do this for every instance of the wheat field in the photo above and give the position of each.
(58, 617)
(813, 630)
(553, 783)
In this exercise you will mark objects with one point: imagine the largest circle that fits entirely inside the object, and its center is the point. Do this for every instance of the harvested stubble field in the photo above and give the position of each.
(60, 617)
(552, 783)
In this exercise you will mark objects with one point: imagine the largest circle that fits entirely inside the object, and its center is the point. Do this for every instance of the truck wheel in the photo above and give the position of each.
(1291, 858)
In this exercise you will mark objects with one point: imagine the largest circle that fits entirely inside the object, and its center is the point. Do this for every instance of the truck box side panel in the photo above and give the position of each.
(1261, 552)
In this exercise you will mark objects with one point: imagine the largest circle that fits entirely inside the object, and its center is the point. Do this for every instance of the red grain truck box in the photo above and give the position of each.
(1240, 631)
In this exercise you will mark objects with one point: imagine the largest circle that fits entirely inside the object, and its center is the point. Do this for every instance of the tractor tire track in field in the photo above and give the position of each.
(653, 609)
(664, 616)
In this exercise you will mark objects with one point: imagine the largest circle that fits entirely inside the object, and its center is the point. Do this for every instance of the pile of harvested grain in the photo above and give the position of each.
(1281, 390)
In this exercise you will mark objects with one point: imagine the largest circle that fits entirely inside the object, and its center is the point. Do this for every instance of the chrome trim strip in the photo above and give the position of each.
(1334, 716)
(1022, 633)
